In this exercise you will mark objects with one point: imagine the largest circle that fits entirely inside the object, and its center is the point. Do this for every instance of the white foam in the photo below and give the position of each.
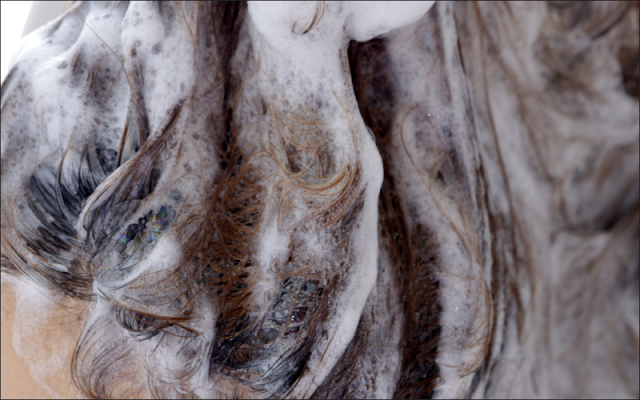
(156, 264)
(302, 53)
(370, 19)
(165, 49)
(53, 109)
(422, 148)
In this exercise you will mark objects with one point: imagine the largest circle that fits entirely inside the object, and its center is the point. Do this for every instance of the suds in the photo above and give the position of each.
(308, 149)
(550, 117)
(238, 202)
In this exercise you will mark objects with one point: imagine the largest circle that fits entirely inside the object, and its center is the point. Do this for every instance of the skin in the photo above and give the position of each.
(16, 379)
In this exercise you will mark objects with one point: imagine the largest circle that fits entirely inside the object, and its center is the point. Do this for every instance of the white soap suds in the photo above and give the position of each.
(302, 53)
(54, 110)
(430, 135)
(548, 154)
(371, 19)
(156, 264)
(163, 48)
(554, 172)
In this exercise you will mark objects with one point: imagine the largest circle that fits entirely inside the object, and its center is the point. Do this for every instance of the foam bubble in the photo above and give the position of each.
(302, 49)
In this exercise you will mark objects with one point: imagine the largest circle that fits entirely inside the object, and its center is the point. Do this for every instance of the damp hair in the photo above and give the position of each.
(92, 204)
(105, 191)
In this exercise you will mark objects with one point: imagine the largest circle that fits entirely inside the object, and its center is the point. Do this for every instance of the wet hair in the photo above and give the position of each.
(150, 209)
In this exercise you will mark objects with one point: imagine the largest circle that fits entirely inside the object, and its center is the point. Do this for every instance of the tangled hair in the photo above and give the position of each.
(220, 218)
